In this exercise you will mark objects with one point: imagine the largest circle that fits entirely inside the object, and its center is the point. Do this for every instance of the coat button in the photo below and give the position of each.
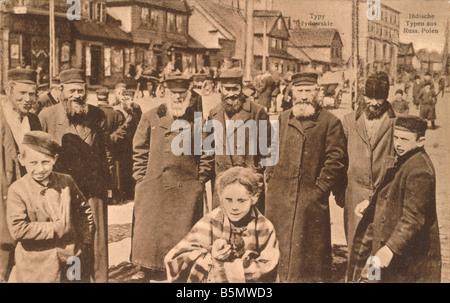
(165, 169)
(382, 219)
(180, 185)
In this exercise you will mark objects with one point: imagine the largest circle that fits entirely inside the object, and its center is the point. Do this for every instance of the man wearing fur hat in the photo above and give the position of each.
(15, 121)
(400, 225)
(369, 142)
(169, 188)
(80, 129)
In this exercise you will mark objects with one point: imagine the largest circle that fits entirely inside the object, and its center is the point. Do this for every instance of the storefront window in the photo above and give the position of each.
(170, 22)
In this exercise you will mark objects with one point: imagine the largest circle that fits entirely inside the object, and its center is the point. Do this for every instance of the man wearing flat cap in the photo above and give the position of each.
(400, 225)
(131, 114)
(117, 130)
(52, 96)
(81, 131)
(15, 120)
(235, 106)
(369, 132)
(312, 162)
(169, 190)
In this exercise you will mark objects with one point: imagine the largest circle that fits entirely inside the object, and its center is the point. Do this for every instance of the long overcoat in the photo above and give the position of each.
(250, 113)
(85, 155)
(10, 168)
(368, 160)
(402, 215)
(312, 162)
(169, 190)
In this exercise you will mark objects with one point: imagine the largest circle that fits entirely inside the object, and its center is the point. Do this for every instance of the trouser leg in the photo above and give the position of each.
(98, 261)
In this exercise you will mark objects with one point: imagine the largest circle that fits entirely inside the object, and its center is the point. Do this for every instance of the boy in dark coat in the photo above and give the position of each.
(399, 104)
(400, 226)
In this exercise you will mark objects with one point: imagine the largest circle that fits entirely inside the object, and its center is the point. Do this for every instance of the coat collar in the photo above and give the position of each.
(7, 136)
(402, 159)
(305, 124)
(384, 127)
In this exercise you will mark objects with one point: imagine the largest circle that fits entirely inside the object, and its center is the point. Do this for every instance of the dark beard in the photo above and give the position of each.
(74, 118)
(233, 109)
(375, 112)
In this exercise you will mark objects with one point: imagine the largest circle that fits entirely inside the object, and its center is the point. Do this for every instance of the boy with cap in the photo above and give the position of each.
(427, 102)
(15, 119)
(399, 104)
(400, 225)
(47, 215)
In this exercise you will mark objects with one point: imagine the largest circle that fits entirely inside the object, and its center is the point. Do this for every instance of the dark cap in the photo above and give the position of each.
(377, 86)
(42, 142)
(128, 92)
(427, 83)
(102, 93)
(22, 75)
(399, 91)
(73, 75)
(304, 79)
(412, 124)
(120, 85)
(177, 82)
(231, 76)
(55, 80)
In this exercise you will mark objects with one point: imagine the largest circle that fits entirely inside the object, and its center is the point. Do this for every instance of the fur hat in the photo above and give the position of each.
(412, 124)
(377, 86)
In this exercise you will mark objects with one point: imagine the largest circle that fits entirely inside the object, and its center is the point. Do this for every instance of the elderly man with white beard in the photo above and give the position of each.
(169, 188)
(312, 163)
(81, 131)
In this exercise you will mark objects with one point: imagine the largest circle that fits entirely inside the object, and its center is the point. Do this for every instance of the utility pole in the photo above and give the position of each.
(355, 48)
(265, 47)
(51, 72)
(248, 66)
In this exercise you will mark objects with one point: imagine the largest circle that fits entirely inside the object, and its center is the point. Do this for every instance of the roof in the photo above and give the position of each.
(264, 13)
(175, 5)
(300, 54)
(403, 48)
(317, 56)
(93, 29)
(192, 43)
(278, 53)
(313, 37)
(425, 56)
(227, 17)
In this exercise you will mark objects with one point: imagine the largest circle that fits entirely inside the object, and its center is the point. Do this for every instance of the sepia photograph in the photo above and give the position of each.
(224, 141)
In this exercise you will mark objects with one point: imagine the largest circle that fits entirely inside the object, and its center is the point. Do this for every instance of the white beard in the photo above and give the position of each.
(303, 110)
(177, 110)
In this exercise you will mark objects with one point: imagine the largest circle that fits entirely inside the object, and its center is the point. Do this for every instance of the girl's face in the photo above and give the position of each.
(236, 201)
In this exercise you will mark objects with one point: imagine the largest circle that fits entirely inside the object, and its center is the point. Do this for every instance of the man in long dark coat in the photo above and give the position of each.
(131, 114)
(80, 129)
(399, 227)
(236, 106)
(369, 131)
(117, 130)
(15, 120)
(312, 163)
(170, 184)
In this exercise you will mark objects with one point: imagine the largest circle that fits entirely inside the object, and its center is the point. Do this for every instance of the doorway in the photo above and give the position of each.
(96, 65)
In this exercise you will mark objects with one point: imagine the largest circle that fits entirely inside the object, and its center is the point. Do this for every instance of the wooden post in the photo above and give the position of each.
(51, 72)
(265, 48)
(248, 64)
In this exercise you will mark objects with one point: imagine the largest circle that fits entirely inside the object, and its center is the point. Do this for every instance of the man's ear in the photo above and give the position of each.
(420, 142)
(219, 88)
(55, 158)
(21, 159)
(61, 87)
(9, 90)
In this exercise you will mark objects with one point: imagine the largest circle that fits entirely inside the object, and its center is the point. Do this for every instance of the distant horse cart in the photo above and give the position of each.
(331, 95)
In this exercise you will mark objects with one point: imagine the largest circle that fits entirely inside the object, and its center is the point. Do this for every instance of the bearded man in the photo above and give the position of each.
(312, 163)
(369, 131)
(15, 120)
(81, 130)
(169, 189)
(241, 110)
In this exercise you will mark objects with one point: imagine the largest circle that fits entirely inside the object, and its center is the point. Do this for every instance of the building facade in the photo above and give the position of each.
(95, 43)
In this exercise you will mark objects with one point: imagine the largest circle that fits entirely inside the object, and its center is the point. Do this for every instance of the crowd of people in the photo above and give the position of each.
(268, 223)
